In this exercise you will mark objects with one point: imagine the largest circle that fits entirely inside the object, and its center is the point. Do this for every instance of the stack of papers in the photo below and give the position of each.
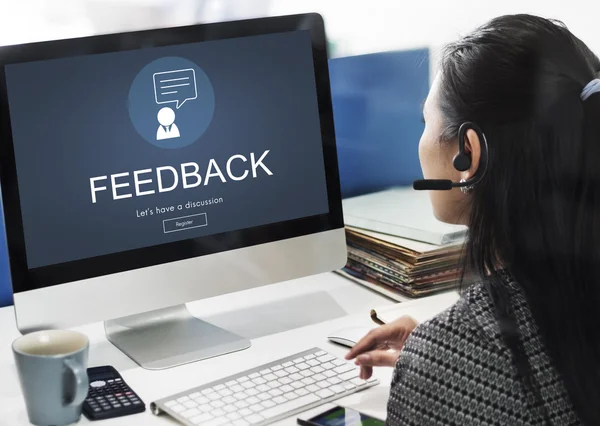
(407, 267)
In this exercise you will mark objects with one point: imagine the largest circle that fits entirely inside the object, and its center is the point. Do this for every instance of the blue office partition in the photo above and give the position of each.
(5, 286)
(377, 100)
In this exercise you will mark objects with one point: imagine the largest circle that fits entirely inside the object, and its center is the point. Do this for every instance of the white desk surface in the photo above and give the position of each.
(281, 319)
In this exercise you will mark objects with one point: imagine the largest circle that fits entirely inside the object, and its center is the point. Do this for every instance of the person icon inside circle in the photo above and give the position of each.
(167, 129)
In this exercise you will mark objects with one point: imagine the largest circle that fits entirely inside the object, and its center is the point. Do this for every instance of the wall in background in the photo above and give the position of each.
(356, 26)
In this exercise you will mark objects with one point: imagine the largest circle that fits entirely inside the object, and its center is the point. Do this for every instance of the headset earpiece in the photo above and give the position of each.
(462, 162)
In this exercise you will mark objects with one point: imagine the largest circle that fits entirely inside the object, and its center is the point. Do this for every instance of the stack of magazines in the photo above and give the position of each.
(401, 251)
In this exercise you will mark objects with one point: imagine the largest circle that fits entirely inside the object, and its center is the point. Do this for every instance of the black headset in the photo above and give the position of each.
(461, 162)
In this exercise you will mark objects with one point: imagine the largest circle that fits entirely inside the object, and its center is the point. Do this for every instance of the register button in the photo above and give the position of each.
(186, 222)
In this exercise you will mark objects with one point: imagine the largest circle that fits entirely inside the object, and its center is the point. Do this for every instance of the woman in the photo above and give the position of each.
(522, 346)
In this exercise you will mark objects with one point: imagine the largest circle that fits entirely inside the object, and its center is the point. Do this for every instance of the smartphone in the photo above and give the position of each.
(341, 416)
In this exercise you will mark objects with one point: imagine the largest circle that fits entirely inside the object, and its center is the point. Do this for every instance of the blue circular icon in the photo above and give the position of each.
(171, 102)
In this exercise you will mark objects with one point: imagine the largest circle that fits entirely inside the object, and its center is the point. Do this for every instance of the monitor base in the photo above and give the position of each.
(170, 337)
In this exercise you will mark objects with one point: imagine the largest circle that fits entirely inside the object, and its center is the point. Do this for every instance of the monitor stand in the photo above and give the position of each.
(170, 337)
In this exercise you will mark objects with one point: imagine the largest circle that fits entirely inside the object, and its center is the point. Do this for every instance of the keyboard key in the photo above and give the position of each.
(287, 364)
(321, 353)
(236, 388)
(268, 404)
(177, 408)
(337, 389)
(292, 370)
(233, 416)
(243, 379)
(217, 404)
(252, 392)
(263, 388)
(326, 358)
(310, 356)
(281, 373)
(265, 371)
(328, 366)
(213, 396)
(286, 388)
(259, 381)
(349, 385)
(253, 400)
(329, 373)
(285, 380)
(349, 375)
(190, 404)
(301, 391)
(302, 366)
(188, 414)
(241, 404)
(275, 392)
(240, 395)
(218, 412)
(201, 418)
(254, 375)
(324, 384)
(306, 373)
(257, 408)
(344, 368)
(248, 385)
(275, 384)
(254, 418)
(291, 395)
(263, 396)
(225, 392)
(270, 377)
(181, 400)
(337, 362)
(240, 422)
(298, 360)
(230, 383)
(296, 377)
(279, 399)
(229, 408)
(207, 391)
(169, 404)
(334, 380)
(317, 369)
(319, 377)
(205, 408)
(313, 388)
(276, 368)
(324, 393)
(229, 400)
(245, 412)
(216, 422)
(288, 406)
(358, 382)
(219, 387)
(308, 381)
(312, 362)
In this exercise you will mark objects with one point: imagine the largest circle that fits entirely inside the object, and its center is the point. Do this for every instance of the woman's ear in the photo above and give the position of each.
(473, 148)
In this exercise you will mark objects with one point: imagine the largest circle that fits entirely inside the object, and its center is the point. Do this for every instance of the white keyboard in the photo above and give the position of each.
(267, 393)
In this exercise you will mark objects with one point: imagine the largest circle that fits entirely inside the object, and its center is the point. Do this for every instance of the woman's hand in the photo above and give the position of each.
(381, 346)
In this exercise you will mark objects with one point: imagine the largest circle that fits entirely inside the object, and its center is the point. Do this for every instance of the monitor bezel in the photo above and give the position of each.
(25, 279)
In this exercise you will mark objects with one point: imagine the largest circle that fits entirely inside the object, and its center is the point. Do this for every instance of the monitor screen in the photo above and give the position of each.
(125, 150)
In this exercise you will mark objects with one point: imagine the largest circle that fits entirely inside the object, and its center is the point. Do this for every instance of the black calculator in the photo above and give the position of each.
(109, 396)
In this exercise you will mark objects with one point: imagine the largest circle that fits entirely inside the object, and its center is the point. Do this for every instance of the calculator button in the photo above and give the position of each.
(138, 402)
(111, 381)
(98, 384)
(117, 405)
(126, 404)
(97, 410)
(118, 380)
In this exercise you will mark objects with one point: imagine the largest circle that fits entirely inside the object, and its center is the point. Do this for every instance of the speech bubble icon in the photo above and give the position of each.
(175, 86)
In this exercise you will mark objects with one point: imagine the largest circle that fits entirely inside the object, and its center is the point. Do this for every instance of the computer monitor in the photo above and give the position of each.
(144, 170)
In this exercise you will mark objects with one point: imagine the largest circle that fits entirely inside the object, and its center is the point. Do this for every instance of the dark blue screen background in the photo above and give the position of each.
(70, 122)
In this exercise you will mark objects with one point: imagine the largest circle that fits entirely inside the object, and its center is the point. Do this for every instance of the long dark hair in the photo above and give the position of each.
(537, 210)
